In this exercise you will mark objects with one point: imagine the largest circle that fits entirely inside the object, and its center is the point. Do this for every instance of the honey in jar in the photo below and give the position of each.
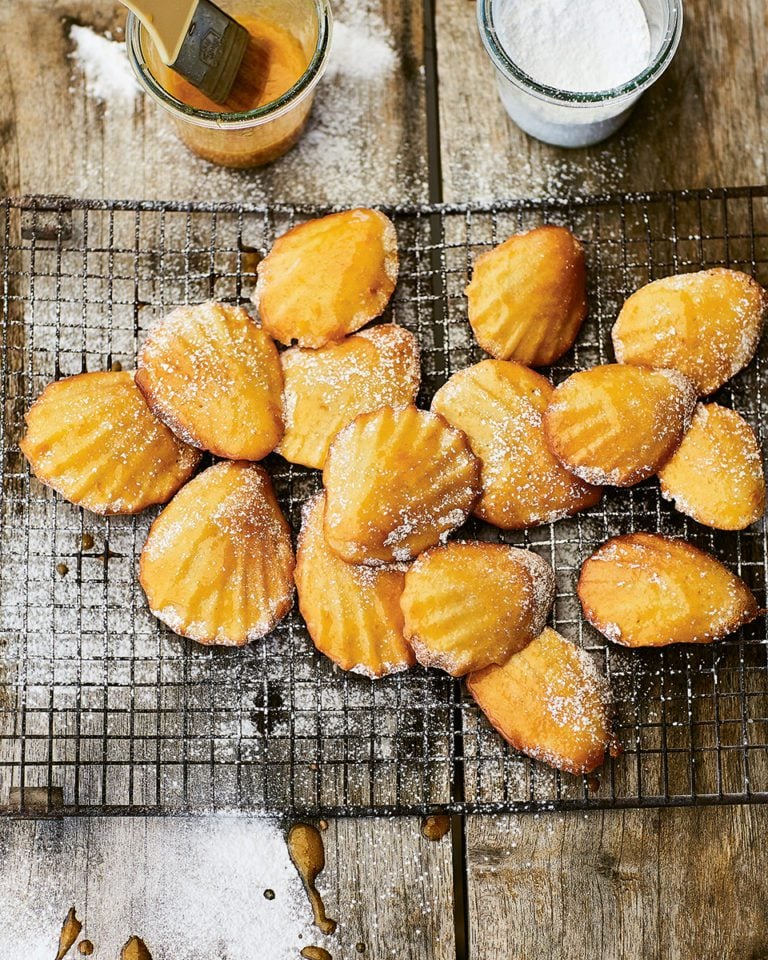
(270, 101)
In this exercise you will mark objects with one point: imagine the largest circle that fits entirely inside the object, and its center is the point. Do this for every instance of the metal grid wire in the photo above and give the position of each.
(102, 709)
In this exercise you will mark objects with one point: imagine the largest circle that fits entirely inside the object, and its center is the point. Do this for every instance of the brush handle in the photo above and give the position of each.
(166, 21)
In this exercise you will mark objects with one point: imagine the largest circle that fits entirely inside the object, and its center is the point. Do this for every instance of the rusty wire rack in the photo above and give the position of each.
(104, 710)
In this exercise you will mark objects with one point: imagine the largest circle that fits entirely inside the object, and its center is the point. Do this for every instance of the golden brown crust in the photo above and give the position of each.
(470, 604)
(648, 590)
(93, 439)
(327, 277)
(214, 377)
(716, 475)
(325, 389)
(397, 481)
(218, 563)
(527, 298)
(550, 702)
(706, 324)
(352, 612)
(617, 424)
(499, 405)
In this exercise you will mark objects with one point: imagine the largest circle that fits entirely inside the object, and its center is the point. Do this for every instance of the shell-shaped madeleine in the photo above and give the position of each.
(550, 702)
(707, 325)
(527, 298)
(352, 612)
(716, 475)
(617, 424)
(326, 389)
(647, 590)
(397, 482)
(470, 604)
(327, 277)
(217, 566)
(499, 405)
(93, 439)
(213, 376)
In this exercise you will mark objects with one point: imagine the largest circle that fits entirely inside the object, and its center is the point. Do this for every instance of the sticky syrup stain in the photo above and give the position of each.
(70, 931)
(436, 827)
(87, 542)
(135, 949)
(62, 569)
(305, 847)
(85, 947)
(593, 783)
(315, 953)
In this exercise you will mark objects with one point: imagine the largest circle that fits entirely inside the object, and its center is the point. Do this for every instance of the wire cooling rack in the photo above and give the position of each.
(104, 710)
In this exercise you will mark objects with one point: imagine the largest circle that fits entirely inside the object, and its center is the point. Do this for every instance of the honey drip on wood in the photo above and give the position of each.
(135, 949)
(305, 847)
(85, 947)
(435, 827)
(70, 931)
(315, 953)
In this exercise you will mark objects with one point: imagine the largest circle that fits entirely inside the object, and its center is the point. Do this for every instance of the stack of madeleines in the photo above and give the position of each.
(380, 585)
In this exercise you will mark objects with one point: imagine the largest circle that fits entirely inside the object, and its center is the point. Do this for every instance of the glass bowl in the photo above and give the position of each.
(562, 117)
(252, 137)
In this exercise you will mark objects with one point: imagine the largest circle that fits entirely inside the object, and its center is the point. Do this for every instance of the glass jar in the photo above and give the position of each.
(562, 117)
(252, 137)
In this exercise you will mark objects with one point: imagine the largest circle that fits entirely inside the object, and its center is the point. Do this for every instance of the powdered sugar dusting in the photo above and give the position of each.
(500, 410)
(326, 389)
(397, 480)
(617, 424)
(716, 475)
(224, 530)
(706, 324)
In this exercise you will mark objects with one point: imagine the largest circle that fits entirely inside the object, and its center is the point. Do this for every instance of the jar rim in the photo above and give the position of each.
(630, 88)
(241, 119)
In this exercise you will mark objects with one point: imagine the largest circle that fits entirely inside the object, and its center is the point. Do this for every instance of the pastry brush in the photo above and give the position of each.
(196, 39)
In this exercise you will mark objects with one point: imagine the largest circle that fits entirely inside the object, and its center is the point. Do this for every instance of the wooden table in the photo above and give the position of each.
(634, 884)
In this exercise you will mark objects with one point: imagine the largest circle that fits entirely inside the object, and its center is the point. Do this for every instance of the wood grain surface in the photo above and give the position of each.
(624, 884)
(651, 884)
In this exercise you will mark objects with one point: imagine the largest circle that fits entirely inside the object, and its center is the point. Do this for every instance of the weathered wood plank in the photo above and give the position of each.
(703, 124)
(633, 884)
(195, 888)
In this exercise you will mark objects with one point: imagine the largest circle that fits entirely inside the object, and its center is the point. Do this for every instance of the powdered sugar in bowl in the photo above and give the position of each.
(570, 71)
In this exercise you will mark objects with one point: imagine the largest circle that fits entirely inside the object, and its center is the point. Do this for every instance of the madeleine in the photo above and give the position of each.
(527, 298)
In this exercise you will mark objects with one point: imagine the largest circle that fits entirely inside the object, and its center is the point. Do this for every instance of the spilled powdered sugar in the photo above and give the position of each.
(105, 68)
(192, 888)
(362, 51)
